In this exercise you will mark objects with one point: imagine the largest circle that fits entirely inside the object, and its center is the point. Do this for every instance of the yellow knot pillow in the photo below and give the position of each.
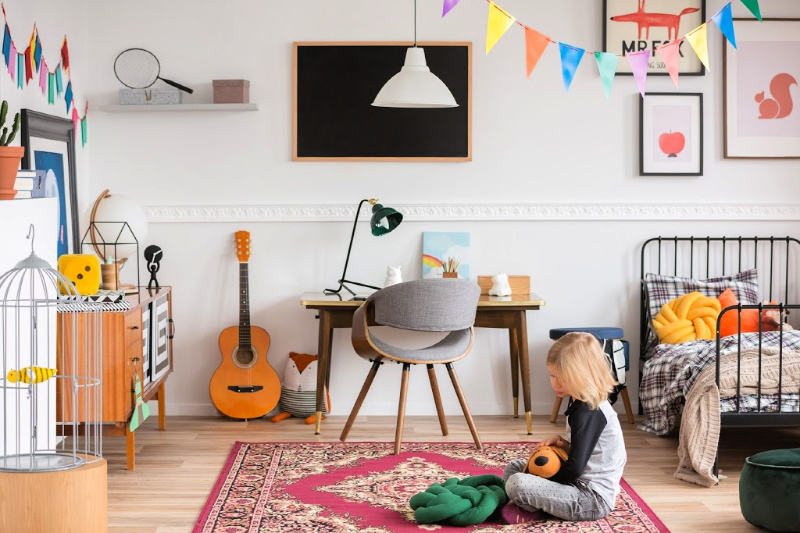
(687, 318)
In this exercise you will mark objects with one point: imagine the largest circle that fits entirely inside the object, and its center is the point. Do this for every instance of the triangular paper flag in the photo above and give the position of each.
(68, 95)
(724, 20)
(37, 53)
(535, 44)
(65, 55)
(607, 65)
(83, 133)
(32, 49)
(670, 53)
(12, 60)
(51, 89)
(6, 44)
(28, 70)
(498, 23)
(570, 59)
(59, 84)
(448, 5)
(20, 71)
(43, 78)
(76, 119)
(640, 62)
(752, 5)
(698, 38)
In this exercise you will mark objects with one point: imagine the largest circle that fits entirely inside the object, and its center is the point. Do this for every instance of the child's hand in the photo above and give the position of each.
(552, 440)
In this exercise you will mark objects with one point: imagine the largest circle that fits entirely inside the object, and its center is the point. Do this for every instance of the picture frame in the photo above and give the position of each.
(759, 80)
(671, 134)
(625, 29)
(49, 143)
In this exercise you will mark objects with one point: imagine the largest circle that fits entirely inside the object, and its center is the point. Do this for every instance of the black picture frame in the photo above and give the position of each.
(617, 33)
(658, 161)
(45, 138)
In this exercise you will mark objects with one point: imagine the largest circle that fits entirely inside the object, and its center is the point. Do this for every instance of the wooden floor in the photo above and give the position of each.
(176, 468)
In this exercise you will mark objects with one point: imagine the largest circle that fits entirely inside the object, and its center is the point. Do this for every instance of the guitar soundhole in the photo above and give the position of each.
(245, 356)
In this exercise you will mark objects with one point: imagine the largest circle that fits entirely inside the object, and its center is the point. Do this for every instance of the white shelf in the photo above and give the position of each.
(178, 107)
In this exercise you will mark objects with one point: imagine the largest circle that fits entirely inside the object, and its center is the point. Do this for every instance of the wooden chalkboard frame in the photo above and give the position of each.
(427, 45)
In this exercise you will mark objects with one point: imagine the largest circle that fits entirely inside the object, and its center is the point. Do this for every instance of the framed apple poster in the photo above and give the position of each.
(671, 134)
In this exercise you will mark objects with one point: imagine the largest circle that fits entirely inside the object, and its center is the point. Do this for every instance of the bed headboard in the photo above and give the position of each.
(776, 259)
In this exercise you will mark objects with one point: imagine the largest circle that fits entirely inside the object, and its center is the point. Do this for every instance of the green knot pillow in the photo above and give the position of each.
(461, 503)
(768, 490)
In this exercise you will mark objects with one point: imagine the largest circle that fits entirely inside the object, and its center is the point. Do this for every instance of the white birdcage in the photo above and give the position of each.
(50, 404)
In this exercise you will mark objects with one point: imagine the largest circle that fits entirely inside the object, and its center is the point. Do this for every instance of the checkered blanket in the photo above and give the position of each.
(672, 369)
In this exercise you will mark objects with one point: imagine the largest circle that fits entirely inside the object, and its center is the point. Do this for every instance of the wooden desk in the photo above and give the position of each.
(505, 312)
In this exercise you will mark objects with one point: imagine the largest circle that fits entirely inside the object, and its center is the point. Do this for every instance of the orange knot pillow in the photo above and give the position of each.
(687, 318)
(729, 324)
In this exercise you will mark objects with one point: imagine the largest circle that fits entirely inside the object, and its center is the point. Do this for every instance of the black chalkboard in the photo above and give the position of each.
(335, 84)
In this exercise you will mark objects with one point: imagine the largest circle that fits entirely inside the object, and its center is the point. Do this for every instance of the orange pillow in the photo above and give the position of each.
(729, 323)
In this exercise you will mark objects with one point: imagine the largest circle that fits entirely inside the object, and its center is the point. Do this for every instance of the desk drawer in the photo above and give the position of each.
(133, 328)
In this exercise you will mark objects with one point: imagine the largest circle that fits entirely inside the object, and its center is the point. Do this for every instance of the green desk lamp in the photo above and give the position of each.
(384, 220)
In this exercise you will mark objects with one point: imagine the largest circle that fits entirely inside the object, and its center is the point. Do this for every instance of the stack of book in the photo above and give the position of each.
(30, 184)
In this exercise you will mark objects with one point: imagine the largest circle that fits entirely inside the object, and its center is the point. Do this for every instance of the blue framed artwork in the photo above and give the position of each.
(50, 146)
(439, 247)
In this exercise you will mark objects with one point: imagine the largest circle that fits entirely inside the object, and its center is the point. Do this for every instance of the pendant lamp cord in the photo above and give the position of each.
(415, 23)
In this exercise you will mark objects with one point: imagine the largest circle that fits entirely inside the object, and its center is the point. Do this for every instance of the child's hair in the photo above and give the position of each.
(582, 368)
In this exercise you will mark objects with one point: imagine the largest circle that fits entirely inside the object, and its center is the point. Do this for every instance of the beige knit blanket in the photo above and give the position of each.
(700, 422)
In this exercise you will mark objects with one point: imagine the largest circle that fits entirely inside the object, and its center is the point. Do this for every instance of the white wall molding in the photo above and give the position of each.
(475, 212)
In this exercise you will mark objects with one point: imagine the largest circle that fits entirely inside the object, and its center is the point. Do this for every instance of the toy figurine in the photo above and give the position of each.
(153, 255)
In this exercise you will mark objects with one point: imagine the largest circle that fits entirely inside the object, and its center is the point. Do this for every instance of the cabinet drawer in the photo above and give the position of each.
(133, 328)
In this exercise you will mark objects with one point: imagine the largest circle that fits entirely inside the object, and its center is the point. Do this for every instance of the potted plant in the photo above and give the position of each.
(10, 156)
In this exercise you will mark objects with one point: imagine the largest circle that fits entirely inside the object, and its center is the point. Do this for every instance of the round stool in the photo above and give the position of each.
(606, 336)
(768, 489)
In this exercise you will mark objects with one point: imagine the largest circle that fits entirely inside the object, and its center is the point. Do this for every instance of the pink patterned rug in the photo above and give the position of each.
(361, 486)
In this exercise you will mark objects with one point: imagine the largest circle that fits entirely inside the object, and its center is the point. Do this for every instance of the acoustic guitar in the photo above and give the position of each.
(244, 386)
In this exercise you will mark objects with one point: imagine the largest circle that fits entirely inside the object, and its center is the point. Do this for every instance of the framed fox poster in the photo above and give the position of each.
(635, 25)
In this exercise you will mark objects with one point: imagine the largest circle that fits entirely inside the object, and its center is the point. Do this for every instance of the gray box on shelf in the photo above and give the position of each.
(231, 91)
(151, 95)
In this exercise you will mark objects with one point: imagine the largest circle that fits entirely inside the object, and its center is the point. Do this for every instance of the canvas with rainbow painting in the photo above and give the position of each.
(440, 247)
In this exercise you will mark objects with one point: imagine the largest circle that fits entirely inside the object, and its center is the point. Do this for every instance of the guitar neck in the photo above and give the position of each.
(244, 306)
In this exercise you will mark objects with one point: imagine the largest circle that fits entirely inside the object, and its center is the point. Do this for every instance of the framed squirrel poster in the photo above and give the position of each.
(760, 90)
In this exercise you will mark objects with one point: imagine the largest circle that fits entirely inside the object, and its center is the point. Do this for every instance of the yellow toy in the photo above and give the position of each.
(31, 374)
(687, 318)
(83, 270)
(546, 461)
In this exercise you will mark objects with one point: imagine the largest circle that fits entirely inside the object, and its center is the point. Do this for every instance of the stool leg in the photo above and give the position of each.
(627, 402)
(437, 399)
(556, 408)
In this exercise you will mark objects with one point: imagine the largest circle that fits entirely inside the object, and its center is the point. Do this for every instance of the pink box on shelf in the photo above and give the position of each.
(231, 91)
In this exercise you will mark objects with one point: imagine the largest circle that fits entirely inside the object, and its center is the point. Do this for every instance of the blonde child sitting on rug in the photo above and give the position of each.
(587, 484)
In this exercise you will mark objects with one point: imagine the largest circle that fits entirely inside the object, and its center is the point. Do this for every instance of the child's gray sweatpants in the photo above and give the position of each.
(569, 502)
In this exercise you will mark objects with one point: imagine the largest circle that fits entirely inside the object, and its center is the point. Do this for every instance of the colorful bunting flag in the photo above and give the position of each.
(640, 62)
(498, 23)
(31, 48)
(51, 89)
(37, 53)
(570, 59)
(671, 56)
(11, 60)
(75, 121)
(83, 131)
(20, 70)
(65, 55)
(43, 79)
(607, 65)
(724, 21)
(59, 86)
(535, 44)
(28, 71)
(752, 5)
(448, 5)
(68, 95)
(698, 38)
(6, 44)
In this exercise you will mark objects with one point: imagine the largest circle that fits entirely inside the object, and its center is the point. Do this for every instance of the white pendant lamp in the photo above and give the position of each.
(415, 85)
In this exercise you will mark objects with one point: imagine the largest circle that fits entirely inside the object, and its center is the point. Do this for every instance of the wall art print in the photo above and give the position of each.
(437, 247)
(50, 146)
(634, 25)
(760, 90)
(671, 134)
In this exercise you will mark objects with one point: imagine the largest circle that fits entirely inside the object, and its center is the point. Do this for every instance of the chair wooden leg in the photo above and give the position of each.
(360, 400)
(437, 399)
(401, 408)
(627, 401)
(556, 408)
(464, 406)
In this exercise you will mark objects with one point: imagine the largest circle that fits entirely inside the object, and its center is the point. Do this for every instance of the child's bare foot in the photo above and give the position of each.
(516, 515)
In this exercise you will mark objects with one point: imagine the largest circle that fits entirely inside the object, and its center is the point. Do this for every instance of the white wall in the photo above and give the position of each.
(524, 132)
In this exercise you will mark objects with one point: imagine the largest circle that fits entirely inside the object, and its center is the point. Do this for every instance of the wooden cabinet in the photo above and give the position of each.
(137, 341)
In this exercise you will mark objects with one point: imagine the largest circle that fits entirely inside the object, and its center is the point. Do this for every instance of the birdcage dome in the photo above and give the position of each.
(33, 283)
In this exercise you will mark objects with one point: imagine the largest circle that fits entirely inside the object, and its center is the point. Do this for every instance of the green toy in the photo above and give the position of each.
(141, 411)
(461, 503)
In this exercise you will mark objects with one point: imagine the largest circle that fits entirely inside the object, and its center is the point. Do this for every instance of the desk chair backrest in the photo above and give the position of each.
(428, 304)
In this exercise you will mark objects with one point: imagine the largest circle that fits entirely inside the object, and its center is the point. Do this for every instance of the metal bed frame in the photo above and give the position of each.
(778, 252)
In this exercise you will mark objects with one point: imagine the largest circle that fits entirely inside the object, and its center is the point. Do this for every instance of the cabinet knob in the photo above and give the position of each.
(135, 359)
(134, 327)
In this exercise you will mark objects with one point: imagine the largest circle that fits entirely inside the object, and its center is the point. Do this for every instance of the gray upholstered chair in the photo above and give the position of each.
(423, 305)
